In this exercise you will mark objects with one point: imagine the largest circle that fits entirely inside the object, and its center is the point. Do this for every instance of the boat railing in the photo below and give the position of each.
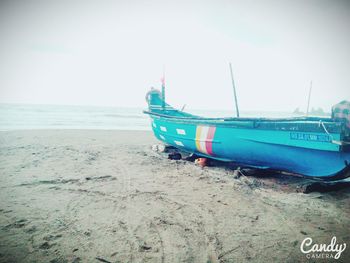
(194, 117)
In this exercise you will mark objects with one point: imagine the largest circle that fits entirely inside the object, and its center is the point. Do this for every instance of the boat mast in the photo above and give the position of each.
(308, 100)
(234, 90)
(163, 88)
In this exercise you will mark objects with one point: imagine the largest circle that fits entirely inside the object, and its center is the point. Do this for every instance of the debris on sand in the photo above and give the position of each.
(158, 148)
(103, 260)
(201, 162)
(174, 156)
(324, 187)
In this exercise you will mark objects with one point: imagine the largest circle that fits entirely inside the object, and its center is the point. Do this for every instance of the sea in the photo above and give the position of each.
(29, 117)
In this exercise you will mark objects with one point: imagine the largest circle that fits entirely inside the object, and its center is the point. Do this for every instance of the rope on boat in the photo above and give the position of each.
(324, 127)
(330, 135)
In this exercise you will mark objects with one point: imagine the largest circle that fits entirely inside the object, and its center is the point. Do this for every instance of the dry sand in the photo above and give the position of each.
(89, 196)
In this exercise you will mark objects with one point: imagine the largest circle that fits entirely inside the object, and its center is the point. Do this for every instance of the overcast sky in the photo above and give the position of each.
(111, 52)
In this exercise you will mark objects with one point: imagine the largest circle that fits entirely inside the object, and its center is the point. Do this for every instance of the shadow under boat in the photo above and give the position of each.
(268, 177)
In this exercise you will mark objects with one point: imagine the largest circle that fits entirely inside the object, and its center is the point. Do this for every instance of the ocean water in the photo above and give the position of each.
(23, 116)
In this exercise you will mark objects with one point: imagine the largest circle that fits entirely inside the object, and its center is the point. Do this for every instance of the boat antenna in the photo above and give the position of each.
(163, 88)
(308, 100)
(234, 90)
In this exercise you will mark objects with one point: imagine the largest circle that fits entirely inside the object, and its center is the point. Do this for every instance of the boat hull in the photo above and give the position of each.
(309, 154)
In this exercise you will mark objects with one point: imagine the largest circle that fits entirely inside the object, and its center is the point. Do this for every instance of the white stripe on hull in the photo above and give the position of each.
(179, 143)
(204, 134)
(181, 131)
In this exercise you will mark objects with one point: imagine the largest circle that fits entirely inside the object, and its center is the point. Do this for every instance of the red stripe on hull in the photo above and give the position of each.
(209, 142)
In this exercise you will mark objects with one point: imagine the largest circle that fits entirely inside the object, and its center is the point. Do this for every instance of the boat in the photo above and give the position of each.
(313, 147)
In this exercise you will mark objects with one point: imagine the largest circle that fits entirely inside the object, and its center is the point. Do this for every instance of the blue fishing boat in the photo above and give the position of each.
(309, 146)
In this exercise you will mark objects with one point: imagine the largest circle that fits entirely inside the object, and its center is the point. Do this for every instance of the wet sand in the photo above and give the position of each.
(105, 196)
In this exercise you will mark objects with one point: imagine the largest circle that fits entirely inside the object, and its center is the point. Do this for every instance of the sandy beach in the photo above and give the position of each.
(106, 196)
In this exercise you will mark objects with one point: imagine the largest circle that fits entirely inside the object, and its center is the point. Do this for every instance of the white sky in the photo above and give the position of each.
(111, 52)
